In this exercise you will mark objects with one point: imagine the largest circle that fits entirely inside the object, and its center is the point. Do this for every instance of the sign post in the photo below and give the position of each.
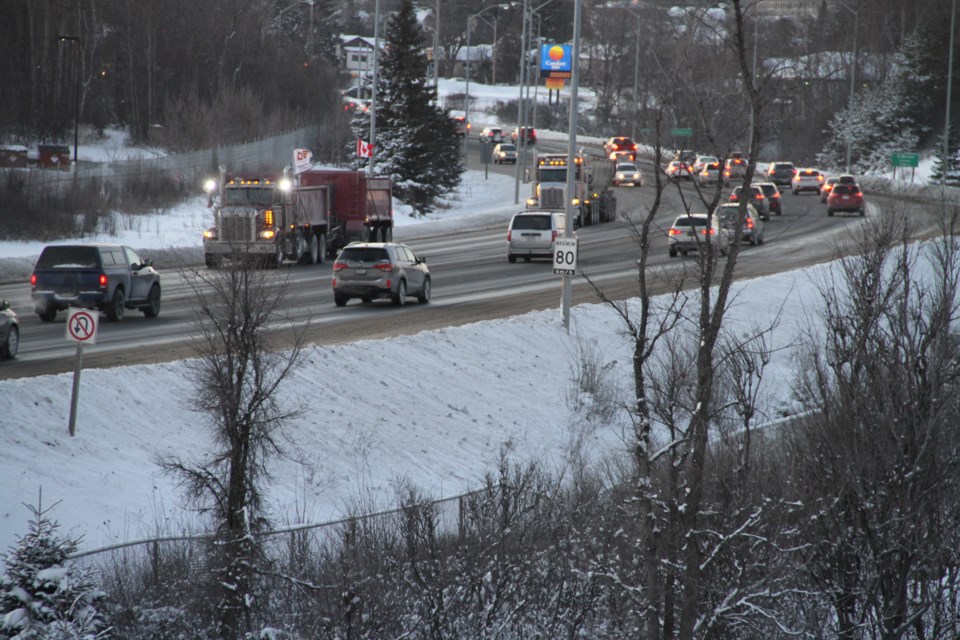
(82, 329)
(565, 256)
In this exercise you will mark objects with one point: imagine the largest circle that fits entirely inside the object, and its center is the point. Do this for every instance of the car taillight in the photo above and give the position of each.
(759, 196)
(553, 236)
(103, 281)
(33, 280)
(749, 223)
(673, 231)
(509, 234)
(820, 178)
(383, 265)
(339, 266)
(708, 232)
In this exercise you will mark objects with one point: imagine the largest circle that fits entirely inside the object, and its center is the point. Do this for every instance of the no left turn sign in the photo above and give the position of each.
(82, 325)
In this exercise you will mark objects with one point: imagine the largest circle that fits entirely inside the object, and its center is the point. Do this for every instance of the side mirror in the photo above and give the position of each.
(421, 260)
(4, 305)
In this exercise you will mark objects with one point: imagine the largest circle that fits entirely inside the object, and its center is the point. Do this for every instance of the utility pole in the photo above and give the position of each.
(373, 89)
(571, 152)
(946, 122)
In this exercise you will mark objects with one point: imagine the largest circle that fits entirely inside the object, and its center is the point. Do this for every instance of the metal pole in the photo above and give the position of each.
(523, 65)
(74, 397)
(466, 95)
(853, 76)
(571, 151)
(494, 50)
(753, 79)
(76, 98)
(536, 80)
(436, 52)
(373, 90)
(946, 121)
(636, 75)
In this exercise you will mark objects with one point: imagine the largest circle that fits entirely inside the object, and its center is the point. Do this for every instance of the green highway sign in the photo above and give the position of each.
(905, 159)
(681, 133)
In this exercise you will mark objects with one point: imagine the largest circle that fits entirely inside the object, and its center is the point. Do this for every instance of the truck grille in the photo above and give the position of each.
(236, 228)
(552, 198)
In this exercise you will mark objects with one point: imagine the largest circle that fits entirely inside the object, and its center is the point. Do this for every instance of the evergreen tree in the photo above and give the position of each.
(42, 595)
(416, 143)
(953, 162)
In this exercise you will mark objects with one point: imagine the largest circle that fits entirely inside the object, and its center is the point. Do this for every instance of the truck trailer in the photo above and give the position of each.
(279, 218)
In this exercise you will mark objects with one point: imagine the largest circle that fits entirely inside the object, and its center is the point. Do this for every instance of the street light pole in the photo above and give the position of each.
(520, 108)
(853, 71)
(76, 98)
(436, 51)
(946, 121)
(373, 88)
(571, 152)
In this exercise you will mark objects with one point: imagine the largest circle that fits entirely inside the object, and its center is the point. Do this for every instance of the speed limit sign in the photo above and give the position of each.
(565, 256)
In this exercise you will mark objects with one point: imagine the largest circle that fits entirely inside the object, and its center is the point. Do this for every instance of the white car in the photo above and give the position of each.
(703, 161)
(505, 152)
(627, 173)
(807, 180)
(491, 134)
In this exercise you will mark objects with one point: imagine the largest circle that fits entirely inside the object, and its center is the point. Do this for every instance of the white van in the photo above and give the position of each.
(532, 234)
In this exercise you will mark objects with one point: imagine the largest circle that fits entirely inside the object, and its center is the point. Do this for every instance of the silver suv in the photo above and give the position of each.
(729, 213)
(696, 232)
(371, 270)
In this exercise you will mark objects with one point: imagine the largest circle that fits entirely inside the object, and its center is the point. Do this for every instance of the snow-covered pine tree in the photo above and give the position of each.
(43, 596)
(953, 162)
(416, 139)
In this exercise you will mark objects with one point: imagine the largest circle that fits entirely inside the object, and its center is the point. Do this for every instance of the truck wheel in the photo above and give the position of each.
(116, 307)
(314, 249)
(400, 297)
(47, 315)
(152, 310)
(322, 248)
(511, 258)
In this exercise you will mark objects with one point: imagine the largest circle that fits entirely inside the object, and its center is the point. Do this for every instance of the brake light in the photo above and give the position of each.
(383, 265)
(820, 178)
(674, 231)
(339, 266)
(33, 280)
(103, 281)
(509, 233)
(708, 232)
(553, 236)
(759, 196)
(749, 223)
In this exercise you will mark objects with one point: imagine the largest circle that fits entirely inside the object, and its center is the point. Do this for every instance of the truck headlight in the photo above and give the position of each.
(210, 234)
(267, 234)
(532, 202)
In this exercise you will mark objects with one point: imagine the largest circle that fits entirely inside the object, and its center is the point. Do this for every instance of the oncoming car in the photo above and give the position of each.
(372, 270)
(505, 152)
(620, 147)
(627, 173)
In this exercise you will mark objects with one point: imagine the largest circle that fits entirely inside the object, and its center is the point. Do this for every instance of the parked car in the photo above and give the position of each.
(807, 180)
(505, 152)
(729, 213)
(781, 173)
(462, 127)
(491, 134)
(696, 232)
(9, 331)
(772, 192)
(845, 197)
(620, 144)
(734, 167)
(758, 200)
(627, 173)
(109, 277)
(532, 234)
(677, 170)
(372, 270)
(710, 174)
(518, 137)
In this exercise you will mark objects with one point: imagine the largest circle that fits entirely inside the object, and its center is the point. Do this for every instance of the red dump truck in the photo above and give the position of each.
(278, 219)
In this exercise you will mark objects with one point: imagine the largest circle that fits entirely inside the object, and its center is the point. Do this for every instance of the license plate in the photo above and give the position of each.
(361, 272)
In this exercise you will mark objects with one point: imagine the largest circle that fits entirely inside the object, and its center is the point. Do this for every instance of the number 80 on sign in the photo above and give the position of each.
(565, 256)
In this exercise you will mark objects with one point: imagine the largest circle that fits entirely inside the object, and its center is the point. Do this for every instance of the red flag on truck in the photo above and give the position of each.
(364, 149)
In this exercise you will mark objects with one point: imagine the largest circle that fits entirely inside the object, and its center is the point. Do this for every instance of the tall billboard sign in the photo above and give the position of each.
(556, 59)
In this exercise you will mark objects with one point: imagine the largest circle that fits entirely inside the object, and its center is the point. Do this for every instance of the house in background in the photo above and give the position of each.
(355, 54)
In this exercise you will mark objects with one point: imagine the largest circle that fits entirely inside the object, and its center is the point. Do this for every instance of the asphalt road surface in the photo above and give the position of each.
(472, 281)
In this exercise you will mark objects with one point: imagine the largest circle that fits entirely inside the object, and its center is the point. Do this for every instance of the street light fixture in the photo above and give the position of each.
(853, 69)
(76, 98)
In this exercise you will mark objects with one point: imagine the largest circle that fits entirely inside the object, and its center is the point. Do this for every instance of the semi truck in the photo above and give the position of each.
(591, 197)
(279, 218)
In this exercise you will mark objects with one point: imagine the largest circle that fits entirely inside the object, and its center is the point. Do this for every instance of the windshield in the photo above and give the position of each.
(553, 174)
(248, 196)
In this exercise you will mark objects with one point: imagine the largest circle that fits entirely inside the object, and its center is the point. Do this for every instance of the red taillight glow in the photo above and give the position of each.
(103, 281)
(33, 279)
(759, 196)
(674, 231)
(383, 266)
(553, 236)
(749, 223)
(508, 235)
(339, 266)
(708, 232)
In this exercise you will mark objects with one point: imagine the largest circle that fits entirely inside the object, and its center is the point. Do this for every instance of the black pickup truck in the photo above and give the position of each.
(110, 277)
